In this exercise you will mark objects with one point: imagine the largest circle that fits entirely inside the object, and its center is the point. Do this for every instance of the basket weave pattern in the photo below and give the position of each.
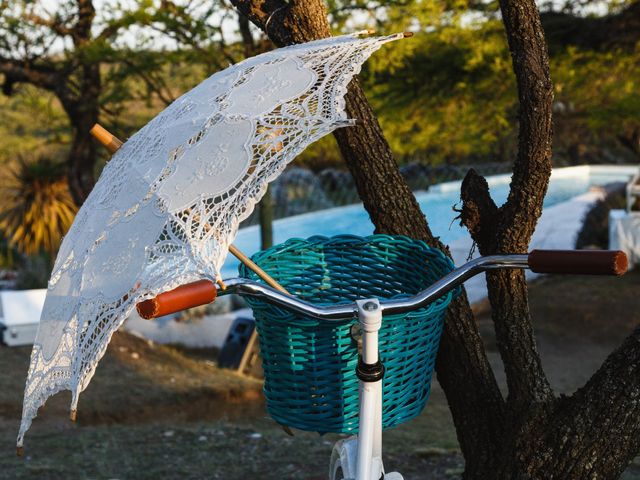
(309, 365)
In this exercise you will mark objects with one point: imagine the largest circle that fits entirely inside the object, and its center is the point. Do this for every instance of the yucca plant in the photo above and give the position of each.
(36, 209)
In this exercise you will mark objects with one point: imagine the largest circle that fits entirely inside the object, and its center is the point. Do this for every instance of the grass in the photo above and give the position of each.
(158, 412)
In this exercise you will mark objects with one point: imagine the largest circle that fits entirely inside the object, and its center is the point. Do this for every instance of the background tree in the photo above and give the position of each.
(27, 55)
(531, 433)
(85, 60)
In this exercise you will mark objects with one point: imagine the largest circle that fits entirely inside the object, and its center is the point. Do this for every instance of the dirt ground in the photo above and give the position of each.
(154, 412)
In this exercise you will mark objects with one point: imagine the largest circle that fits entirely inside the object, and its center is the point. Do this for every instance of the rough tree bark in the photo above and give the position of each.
(532, 434)
(83, 111)
(508, 229)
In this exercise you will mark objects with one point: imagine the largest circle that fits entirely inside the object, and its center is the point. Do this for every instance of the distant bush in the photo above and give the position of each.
(37, 208)
(595, 228)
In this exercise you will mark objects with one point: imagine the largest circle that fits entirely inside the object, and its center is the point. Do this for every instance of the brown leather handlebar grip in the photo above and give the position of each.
(589, 262)
(185, 296)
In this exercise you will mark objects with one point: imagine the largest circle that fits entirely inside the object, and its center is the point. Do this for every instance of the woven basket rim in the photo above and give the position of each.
(446, 298)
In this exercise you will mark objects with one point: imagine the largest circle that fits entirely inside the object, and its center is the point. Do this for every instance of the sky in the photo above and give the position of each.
(150, 39)
(135, 35)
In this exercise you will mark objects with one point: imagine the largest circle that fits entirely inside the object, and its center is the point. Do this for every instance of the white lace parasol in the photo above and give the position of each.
(168, 204)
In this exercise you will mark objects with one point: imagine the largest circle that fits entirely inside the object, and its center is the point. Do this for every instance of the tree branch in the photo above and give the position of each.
(479, 212)
(508, 229)
(519, 215)
(16, 71)
(247, 38)
(153, 82)
(81, 31)
(57, 26)
(286, 23)
(532, 167)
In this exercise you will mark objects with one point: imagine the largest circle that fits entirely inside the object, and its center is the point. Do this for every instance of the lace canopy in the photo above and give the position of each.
(168, 204)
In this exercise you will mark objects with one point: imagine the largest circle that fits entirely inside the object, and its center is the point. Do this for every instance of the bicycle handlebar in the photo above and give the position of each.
(595, 262)
(186, 296)
(583, 262)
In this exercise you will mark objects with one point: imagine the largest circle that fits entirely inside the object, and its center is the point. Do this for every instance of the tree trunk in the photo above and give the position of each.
(509, 228)
(266, 220)
(83, 113)
(82, 160)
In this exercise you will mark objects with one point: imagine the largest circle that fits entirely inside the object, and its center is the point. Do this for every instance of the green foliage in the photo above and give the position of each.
(451, 97)
(597, 100)
(445, 95)
(31, 123)
(448, 94)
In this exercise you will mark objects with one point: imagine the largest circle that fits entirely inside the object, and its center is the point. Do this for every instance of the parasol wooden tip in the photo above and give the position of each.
(107, 139)
(73, 415)
(407, 34)
(20, 451)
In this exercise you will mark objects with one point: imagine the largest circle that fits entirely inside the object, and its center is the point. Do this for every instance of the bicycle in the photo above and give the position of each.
(360, 456)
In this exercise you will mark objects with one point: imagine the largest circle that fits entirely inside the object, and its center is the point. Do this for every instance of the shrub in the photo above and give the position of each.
(37, 208)
(595, 227)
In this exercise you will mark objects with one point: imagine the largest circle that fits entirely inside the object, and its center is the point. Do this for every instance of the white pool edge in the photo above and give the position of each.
(563, 172)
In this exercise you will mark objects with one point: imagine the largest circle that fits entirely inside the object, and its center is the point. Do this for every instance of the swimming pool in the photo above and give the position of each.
(437, 203)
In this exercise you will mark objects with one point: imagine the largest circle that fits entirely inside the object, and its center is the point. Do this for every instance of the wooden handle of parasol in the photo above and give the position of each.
(107, 139)
(256, 269)
(190, 295)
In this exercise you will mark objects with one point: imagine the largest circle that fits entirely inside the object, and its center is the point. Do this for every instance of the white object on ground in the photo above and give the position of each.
(205, 332)
(20, 311)
(168, 203)
(624, 234)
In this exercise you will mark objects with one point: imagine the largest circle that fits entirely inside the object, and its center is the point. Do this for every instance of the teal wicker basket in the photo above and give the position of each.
(309, 365)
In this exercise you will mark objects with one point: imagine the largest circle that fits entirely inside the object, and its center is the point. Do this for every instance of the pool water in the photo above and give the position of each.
(437, 204)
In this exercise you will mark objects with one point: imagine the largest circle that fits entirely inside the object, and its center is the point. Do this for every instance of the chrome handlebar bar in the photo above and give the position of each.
(402, 305)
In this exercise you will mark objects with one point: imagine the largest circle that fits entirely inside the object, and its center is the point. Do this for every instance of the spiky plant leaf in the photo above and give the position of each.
(37, 208)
